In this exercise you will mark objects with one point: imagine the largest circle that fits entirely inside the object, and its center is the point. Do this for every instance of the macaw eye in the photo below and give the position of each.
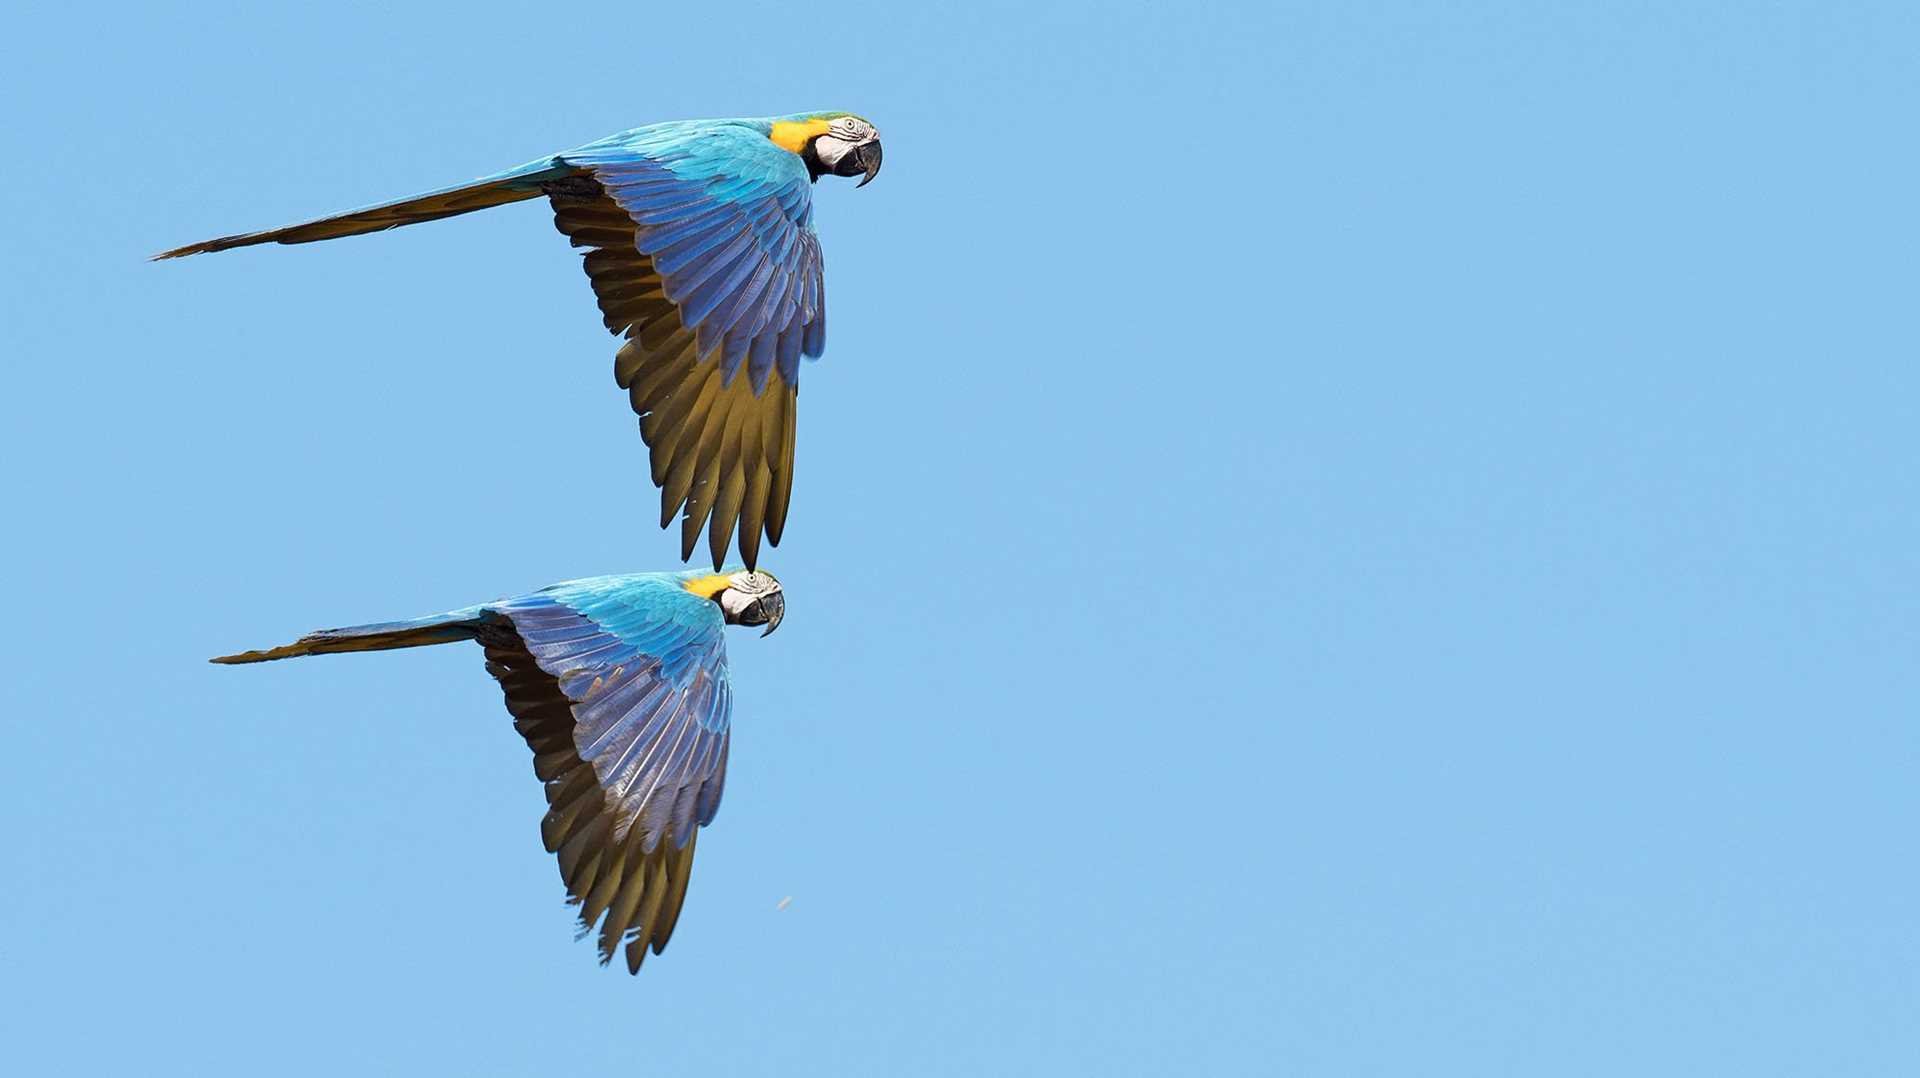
(851, 128)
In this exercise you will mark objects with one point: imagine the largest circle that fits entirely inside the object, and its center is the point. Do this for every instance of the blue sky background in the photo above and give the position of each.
(1330, 539)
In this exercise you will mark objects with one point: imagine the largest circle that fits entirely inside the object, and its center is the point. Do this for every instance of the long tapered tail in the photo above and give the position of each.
(438, 629)
(512, 186)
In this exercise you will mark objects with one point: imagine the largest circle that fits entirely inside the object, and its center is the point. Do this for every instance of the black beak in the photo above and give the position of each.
(864, 159)
(774, 606)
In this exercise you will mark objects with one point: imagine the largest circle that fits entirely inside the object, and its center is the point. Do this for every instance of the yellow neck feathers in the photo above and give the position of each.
(706, 587)
(792, 135)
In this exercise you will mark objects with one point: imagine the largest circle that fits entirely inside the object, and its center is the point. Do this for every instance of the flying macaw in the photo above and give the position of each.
(619, 685)
(702, 253)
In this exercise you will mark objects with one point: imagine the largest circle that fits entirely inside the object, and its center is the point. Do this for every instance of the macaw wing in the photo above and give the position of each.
(703, 256)
(621, 692)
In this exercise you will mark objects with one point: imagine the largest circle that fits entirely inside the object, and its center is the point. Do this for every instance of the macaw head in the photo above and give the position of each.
(750, 597)
(832, 144)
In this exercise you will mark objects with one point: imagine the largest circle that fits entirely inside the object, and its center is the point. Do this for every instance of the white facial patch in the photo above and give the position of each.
(735, 603)
(830, 149)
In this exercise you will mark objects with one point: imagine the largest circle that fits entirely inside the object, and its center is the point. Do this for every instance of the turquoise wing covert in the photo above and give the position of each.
(703, 255)
(619, 685)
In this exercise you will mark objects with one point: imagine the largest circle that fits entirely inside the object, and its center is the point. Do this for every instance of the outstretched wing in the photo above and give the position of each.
(703, 256)
(620, 687)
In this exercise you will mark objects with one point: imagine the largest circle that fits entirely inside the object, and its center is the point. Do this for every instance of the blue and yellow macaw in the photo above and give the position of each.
(619, 685)
(702, 253)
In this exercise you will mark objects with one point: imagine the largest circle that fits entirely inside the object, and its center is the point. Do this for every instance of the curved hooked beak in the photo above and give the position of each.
(863, 160)
(773, 607)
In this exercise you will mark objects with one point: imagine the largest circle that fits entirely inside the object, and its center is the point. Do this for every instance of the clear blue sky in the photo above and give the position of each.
(1330, 539)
